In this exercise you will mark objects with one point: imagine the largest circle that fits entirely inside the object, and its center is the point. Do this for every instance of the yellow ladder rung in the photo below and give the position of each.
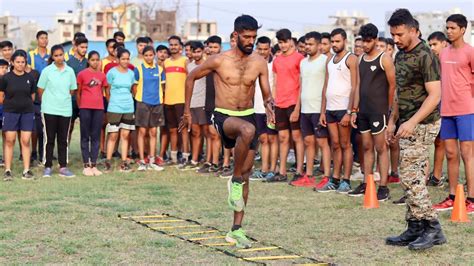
(146, 216)
(219, 244)
(273, 258)
(257, 249)
(194, 233)
(174, 227)
(161, 221)
(206, 238)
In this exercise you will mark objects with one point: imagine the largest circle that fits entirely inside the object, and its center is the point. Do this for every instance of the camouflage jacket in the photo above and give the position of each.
(413, 69)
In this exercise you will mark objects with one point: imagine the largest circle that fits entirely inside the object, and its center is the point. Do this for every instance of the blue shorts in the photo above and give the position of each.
(457, 127)
(17, 121)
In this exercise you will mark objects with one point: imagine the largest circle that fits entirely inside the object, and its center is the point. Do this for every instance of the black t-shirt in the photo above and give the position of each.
(18, 90)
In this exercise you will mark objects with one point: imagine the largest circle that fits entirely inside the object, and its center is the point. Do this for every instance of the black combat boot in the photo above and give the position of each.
(432, 235)
(414, 230)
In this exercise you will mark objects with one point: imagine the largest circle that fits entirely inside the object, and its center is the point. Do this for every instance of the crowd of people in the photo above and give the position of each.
(321, 110)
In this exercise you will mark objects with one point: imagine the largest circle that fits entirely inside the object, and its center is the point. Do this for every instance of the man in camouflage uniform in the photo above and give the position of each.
(419, 92)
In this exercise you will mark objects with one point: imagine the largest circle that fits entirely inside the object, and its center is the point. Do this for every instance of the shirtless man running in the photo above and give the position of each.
(236, 71)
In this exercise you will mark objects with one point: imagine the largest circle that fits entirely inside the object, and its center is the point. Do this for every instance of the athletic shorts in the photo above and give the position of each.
(262, 125)
(120, 121)
(458, 127)
(310, 126)
(282, 117)
(208, 117)
(218, 120)
(147, 115)
(371, 123)
(199, 116)
(18, 121)
(173, 114)
(335, 116)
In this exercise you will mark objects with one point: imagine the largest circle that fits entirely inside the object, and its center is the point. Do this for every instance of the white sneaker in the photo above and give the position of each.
(155, 167)
(291, 157)
(141, 166)
(376, 176)
(357, 176)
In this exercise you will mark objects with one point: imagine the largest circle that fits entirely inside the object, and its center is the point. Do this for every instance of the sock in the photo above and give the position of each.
(186, 156)
(235, 227)
(335, 180)
(174, 156)
(151, 159)
(236, 179)
(451, 196)
(470, 199)
(26, 170)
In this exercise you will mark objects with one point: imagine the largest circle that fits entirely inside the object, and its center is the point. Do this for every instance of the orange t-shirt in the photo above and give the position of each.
(175, 71)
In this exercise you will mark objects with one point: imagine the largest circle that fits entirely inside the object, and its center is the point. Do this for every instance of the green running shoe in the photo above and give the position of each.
(236, 199)
(239, 238)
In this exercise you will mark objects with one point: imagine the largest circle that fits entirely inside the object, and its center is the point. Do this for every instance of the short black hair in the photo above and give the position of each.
(161, 47)
(283, 35)
(214, 39)
(400, 17)
(148, 48)
(78, 35)
(263, 40)
(358, 39)
(437, 35)
(119, 34)
(368, 31)
(245, 22)
(231, 36)
(118, 45)
(325, 35)
(313, 35)
(275, 48)
(188, 43)
(196, 45)
(122, 51)
(459, 19)
(149, 39)
(6, 44)
(175, 37)
(109, 41)
(4, 62)
(390, 41)
(382, 39)
(142, 40)
(41, 32)
(80, 40)
(301, 39)
(340, 31)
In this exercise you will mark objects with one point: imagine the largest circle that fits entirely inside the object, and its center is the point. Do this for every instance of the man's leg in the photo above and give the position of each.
(326, 155)
(141, 142)
(299, 146)
(265, 152)
(345, 140)
(467, 155)
(382, 155)
(368, 153)
(310, 153)
(273, 139)
(164, 141)
(284, 140)
(152, 132)
(195, 141)
(439, 154)
(337, 150)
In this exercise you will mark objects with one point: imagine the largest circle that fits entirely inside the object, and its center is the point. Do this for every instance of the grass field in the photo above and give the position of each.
(57, 220)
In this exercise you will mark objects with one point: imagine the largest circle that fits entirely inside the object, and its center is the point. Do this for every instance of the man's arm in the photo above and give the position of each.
(354, 69)
(266, 92)
(355, 105)
(390, 74)
(322, 117)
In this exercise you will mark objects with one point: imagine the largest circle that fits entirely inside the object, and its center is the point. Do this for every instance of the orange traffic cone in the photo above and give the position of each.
(459, 213)
(370, 197)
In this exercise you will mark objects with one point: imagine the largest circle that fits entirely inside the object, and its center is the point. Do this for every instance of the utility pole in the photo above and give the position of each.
(197, 20)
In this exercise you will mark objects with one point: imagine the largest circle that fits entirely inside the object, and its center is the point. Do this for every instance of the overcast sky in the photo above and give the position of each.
(292, 14)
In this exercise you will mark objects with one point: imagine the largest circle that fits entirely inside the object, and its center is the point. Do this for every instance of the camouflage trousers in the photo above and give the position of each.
(414, 154)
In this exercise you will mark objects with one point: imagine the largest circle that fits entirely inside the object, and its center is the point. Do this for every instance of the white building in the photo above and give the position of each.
(21, 34)
(194, 30)
(67, 24)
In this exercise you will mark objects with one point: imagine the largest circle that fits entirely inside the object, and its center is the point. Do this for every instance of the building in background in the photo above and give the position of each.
(199, 30)
(21, 34)
(162, 25)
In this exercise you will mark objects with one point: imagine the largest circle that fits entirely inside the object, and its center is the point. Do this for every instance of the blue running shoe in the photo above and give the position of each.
(65, 172)
(329, 187)
(47, 172)
(344, 187)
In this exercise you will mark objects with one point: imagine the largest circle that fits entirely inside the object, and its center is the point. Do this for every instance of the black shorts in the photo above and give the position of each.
(118, 121)
(208, 117)
(371, 123)
(282, 117)
(310, 126)
(198, 115)
(262, 126)
(218, 120)
(147, 115)
(335, 116)
(173, 114)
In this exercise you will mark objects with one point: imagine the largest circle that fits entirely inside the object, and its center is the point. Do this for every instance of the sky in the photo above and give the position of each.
(275, 14)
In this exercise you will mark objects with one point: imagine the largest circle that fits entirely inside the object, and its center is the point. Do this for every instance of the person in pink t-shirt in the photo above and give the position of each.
(91, 84)
(457, 109)
(286, 71)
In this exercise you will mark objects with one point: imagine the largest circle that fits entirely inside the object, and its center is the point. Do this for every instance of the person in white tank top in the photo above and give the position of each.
(336, 107)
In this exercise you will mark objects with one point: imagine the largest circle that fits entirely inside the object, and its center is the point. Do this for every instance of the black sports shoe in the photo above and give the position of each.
(435, 182)
(107, 166)
(295, 177)
(276, 178)
(358, 191)
(7, 176)
(28, 175)
(401, 201)
(383, 193)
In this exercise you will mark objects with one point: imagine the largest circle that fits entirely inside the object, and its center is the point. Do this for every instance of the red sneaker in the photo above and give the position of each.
(469, 207)
(393, 179)
(446, 204)
(322, 183)
(301, 182)
(159, 161)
